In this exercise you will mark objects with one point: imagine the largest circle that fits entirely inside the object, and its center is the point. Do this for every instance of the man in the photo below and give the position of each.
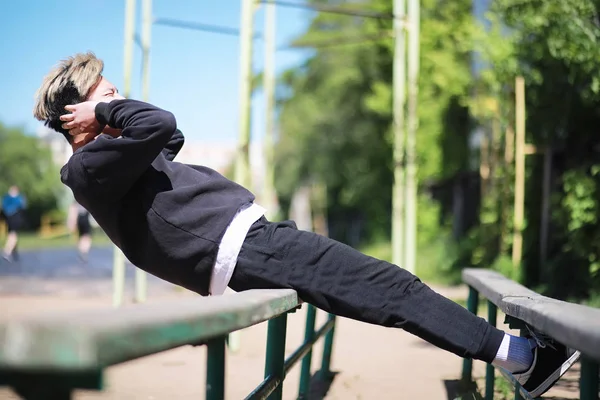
(13, 204)
(78, 220)
(191, 226)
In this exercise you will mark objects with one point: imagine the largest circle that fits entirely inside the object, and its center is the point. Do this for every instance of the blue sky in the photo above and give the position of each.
(193, 74)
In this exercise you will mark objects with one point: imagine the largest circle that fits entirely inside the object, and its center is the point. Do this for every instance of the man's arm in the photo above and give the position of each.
(175, 144)
(115, 164)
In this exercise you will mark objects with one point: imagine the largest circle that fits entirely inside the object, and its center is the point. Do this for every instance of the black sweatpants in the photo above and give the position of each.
(341, 280)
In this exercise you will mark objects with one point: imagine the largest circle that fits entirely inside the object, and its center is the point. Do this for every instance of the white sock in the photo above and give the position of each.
(515, 354)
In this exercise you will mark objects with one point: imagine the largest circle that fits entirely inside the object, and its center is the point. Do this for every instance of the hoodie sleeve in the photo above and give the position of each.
(174, 145)
(115, 164)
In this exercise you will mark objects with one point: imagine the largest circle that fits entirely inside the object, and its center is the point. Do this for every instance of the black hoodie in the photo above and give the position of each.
(168, 218)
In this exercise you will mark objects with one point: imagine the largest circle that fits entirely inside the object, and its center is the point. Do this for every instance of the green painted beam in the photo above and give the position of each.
(575, 325)
(93, 339)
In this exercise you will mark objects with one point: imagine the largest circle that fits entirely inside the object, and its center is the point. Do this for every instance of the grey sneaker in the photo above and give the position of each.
(551, 360)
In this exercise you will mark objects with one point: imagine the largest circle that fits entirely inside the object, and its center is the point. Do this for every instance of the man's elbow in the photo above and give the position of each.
(169, 122)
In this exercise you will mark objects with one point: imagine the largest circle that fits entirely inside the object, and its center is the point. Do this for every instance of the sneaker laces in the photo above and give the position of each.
(542, 340)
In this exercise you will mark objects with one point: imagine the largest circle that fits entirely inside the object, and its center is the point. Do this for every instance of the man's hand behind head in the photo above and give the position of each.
(82, 119)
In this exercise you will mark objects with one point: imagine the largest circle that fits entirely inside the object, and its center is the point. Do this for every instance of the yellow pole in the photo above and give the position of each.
(517, 251)
(269, 194)
(141, 280)
(399, 98)
(410, 224)
(118, 256)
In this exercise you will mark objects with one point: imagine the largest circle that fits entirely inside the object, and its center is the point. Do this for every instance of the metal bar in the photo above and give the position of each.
(518, 393)
(128, 41)
(335, 10)
(345, 40)
(268, 385)
(589, 384)
(490, 370)
(215, 371)
(472, 305)
(309, 334)
(327, 349)
(242, 161)
(269, 81)
(412, 122)
(276, 353)
(399, 99)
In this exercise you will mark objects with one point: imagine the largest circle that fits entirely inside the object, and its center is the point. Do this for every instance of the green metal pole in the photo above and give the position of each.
(141, 280)
(410, 224)
(269, 194)
(327, 350)
(276, 353)
(309, 333)
(215, 369)
(589, 384)
(489, 369)
(472, 305)
(118, 257)
(518, 393)
(242, 163)
(399, 96)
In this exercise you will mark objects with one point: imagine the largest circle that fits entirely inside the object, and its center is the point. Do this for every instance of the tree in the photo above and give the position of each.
(26, 162)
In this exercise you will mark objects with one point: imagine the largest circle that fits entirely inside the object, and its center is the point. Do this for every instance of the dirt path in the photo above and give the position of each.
(371, 362)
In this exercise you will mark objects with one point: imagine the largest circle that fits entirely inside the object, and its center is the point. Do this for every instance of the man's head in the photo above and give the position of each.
(75, 80)
(13, 191)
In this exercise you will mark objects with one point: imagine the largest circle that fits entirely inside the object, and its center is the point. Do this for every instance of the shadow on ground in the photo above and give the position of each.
(320, 385)
(567, 388)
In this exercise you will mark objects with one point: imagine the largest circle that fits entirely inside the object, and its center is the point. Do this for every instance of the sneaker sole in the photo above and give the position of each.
(556, 375)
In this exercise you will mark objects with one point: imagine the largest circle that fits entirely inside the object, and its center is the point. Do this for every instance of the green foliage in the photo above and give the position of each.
(26, 162)
(336, 128)
(336, 121)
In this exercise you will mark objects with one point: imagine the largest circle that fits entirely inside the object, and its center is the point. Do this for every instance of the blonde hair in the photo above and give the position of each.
(68, 83)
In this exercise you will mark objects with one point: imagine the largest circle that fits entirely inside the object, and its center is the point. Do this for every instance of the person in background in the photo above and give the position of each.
(79, 218)
(13, 204)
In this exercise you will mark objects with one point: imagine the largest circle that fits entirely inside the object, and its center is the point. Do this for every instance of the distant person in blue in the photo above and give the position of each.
(13, 204)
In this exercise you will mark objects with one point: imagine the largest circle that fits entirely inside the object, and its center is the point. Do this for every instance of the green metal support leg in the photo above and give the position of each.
(589, 384)
(215, 371)
(518, 394)
(472, 305)
(309, 333)
(490, 370)
(276, 353)
(327, 349)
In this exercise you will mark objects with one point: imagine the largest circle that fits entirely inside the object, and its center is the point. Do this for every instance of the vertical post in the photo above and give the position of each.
(270, 196)
(309, 334)
(472, 305)
(519, 173)
(399, 96)
(589, 384)
(128, 46)
(242, 163)
(276, 353)
(546, 192)
(327, 350)
(118, 257)
(410, 225)
(518, 395)
(141, 282)
(489, 369)
(215, 369)
(118, 276)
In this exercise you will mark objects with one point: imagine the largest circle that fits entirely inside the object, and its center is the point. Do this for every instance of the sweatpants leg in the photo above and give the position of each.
(341, 280)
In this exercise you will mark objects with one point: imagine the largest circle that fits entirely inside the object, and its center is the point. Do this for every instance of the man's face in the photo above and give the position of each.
(106, 92)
